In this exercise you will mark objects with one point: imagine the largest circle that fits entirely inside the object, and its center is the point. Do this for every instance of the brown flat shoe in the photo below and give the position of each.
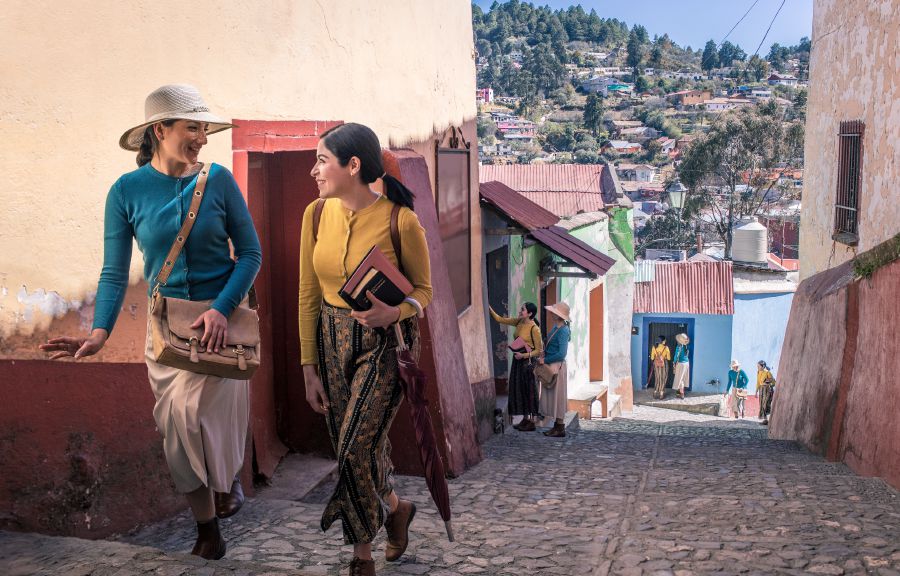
(228, 503)
(210, 544)
(360, 567)
(397, 527)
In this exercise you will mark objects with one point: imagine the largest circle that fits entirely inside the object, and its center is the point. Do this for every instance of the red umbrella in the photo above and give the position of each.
(413, 380)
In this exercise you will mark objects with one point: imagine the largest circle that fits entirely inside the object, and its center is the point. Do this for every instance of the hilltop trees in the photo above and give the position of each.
(593, 114)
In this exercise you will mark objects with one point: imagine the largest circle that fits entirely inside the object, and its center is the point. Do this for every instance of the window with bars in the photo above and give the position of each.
(846, 208)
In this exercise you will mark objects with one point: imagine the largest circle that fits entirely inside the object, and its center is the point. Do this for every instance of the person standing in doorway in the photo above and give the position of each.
(737, 385)
(765, 388)
(203, 419)
(349, 360)
(660, 356)
(681, 363)
(523, 391)
(554, 398)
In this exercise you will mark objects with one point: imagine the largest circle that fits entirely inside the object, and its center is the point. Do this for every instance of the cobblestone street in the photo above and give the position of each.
(699, 495)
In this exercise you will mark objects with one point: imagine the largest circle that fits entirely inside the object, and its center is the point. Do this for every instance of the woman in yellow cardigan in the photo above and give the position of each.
(523, 391)
(349, 363)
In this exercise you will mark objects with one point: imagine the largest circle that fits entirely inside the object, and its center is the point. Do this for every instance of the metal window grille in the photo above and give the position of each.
(846, 212)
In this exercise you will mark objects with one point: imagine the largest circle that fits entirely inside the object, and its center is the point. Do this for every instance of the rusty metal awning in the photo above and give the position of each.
(580, 254)
(516, 207)
(541, 225)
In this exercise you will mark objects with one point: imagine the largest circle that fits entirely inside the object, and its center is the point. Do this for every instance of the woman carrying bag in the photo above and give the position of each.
(551, 371)
(203, 418)
(737, 385)
(765, 388)
(682, 365)
(349, 362)
(523, 391)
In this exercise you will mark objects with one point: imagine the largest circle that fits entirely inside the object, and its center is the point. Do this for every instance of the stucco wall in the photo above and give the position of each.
(854, 75)
(760, 321)
(710, 342)
(75, 79)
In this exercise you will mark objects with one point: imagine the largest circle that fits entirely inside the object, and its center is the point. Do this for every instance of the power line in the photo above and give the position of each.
(755, 2)
(769, 28)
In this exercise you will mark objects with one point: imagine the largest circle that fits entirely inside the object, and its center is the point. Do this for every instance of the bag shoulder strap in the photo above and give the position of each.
(185, 230)
(395, 227)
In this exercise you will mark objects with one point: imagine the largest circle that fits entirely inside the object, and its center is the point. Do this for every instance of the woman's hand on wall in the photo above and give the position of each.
(66, 346)
(379, 315)
(215, 329)
(315, 392)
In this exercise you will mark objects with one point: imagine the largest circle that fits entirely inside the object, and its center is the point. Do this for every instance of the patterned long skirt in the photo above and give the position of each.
(765, 400)
(660, 377)
(358, 368)
(523, 390)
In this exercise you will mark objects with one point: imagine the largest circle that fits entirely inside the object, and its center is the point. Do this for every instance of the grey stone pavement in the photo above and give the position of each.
(659, 492)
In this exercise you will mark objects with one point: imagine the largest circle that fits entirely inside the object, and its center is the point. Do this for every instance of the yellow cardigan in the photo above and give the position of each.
(661, 350)
(344, 239)
(526, 330)
(761, 376)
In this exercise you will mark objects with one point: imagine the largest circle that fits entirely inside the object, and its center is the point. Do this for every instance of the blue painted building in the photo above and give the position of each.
(727, 312)
(761, 309)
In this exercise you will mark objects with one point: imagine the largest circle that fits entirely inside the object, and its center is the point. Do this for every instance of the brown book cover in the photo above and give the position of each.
(375, 274)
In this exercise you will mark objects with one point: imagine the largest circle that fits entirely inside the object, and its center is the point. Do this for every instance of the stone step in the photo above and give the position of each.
(28, 554)
(297, 475)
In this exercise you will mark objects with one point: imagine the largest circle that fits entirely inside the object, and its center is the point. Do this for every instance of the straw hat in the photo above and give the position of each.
(172, 102)
(682, 339)
(560, 309)
(735, 364)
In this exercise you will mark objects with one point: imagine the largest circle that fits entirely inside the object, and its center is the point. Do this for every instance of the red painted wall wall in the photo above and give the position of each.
(80, 451)
(837, 387)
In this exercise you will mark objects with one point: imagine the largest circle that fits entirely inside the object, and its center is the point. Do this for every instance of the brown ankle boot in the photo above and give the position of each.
(397, 527)
(526, 425)
(210, 544)
(360, 567)
(228, 503)
(558, 431)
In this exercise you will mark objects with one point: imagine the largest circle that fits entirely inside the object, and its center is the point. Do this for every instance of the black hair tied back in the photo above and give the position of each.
(348, 140)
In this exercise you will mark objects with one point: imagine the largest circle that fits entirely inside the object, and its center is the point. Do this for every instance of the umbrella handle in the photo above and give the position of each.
(401, 343)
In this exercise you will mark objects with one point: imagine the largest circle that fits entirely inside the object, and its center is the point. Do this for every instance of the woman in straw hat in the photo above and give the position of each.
(203, 419)
(681, 363)
(554, 394)
(737, 385)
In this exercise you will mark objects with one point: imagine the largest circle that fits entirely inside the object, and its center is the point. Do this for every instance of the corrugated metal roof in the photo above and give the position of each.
(583, 219)
(645, 270)
(524, 212)
(560, 242)
(545, 178)
(566, 204)
(688, 288)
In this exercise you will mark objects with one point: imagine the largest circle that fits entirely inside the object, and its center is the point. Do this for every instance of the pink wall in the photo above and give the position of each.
(837, 390)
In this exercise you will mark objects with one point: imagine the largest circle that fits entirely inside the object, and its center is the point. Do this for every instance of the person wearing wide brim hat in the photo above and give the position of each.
(737, 385)
(149, 205)
(551, 370)
(172, 102)
(681, 363)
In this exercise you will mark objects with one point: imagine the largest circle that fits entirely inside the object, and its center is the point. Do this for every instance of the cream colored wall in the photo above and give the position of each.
(854, 75)
(75, 76)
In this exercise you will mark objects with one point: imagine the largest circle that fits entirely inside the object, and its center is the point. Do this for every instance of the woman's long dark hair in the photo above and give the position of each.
(150, 143)
(532, 311)
(348, 140)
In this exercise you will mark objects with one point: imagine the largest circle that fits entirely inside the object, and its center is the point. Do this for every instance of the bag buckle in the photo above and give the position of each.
(194, 342)
(239, 352)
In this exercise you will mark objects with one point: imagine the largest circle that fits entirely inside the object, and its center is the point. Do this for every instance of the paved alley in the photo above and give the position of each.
(629, 496)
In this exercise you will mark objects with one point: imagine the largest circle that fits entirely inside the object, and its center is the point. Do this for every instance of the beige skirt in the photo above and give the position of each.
(554, 401)
(203, 420)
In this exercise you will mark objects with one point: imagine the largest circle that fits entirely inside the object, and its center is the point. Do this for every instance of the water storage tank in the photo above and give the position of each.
(751, 242)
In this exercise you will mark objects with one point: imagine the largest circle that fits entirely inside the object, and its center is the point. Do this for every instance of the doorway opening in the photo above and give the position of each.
(497, 262)
(669, 330)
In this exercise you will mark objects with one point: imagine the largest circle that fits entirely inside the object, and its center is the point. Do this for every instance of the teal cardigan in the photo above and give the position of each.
(150, 206)
(737, 379)
(557, 344)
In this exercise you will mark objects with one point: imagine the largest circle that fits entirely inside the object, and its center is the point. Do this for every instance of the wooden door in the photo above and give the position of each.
(595, 334)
